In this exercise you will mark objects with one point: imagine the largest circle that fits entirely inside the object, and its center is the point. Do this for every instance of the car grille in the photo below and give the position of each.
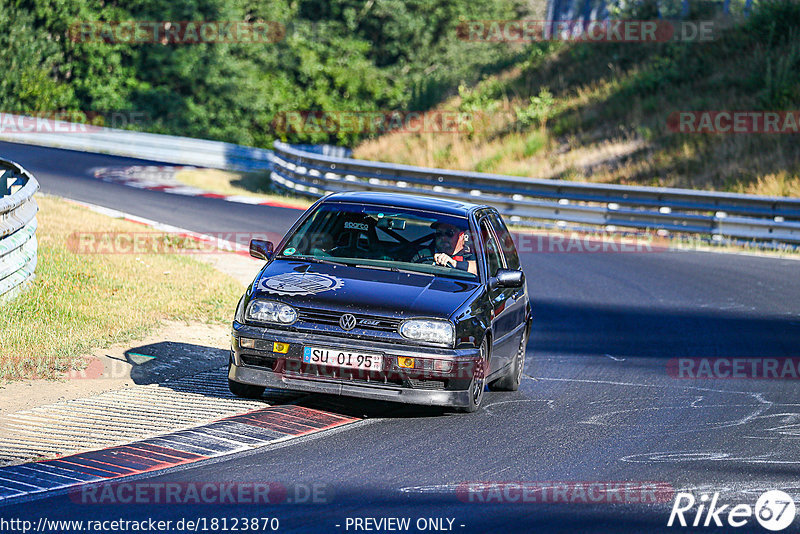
(366, 322)
(372, 379)
(426, 384)
(348, 375)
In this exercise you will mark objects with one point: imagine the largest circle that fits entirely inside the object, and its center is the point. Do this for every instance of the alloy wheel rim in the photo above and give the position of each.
(521, 358)
(478, 383)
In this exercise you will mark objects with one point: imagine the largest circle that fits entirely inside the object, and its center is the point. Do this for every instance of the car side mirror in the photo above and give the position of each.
(262, 250)
(508, 278)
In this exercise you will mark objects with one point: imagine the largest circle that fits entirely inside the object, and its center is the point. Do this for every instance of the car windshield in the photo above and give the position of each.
(384, 237)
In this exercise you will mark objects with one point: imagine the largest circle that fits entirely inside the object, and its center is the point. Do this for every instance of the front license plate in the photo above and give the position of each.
(343, 358)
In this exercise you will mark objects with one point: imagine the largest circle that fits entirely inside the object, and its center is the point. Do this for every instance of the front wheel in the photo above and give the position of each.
(478, 384)
(245, 390)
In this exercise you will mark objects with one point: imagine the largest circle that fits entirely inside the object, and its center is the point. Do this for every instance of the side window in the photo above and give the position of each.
(506, 242)
(493, 259)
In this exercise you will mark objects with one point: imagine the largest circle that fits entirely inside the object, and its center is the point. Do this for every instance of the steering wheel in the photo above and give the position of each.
(426, 259)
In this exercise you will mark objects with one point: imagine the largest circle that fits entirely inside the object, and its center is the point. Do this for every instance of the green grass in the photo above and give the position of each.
(534, 143)
(82, 301)
(489, 164)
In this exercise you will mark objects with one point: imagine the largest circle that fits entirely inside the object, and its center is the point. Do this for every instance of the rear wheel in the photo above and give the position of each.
(511, 379)
(478, 384)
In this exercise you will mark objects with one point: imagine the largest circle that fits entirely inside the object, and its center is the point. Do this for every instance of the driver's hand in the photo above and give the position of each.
(444, 260)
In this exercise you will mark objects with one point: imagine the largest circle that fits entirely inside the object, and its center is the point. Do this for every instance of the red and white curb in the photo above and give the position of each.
(123, 415)
(224, 437)
(162, 178)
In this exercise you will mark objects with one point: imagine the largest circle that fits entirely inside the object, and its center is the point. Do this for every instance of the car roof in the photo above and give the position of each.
(400, 200)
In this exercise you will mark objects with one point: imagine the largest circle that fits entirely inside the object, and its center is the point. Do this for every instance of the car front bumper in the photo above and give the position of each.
(286, 370)
(261, 377)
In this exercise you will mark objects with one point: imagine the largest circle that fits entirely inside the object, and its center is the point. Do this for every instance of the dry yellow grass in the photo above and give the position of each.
(532, 153)
(608, 120)
(82, 301)
(496, 147)
(252, 185)
(777, 185)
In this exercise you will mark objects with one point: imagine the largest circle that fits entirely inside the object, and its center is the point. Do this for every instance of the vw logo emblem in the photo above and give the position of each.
(347, 321)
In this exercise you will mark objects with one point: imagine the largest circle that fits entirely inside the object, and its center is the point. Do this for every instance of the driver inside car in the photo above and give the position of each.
(452, 248)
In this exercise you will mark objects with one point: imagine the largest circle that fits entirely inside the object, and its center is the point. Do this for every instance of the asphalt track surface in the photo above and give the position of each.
(597, 402)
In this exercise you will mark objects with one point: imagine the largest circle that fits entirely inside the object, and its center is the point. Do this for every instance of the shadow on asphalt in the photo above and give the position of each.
(173, 364)
(592, 330)
(158, 362)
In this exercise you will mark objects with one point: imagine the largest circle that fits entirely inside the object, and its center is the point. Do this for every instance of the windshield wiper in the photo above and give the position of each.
(392, 269)
(314, 259)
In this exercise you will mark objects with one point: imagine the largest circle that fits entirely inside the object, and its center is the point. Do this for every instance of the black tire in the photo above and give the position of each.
(478, 384)
(511, 379)
(245, 390)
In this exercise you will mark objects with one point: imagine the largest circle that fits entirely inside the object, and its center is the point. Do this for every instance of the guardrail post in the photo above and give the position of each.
(6, 180)
(9, 182)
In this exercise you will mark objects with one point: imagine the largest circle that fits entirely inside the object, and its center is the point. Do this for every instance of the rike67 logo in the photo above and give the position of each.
(774, 510)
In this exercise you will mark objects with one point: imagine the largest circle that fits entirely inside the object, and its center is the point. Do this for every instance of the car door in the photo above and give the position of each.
(516, 303)
(502, 324)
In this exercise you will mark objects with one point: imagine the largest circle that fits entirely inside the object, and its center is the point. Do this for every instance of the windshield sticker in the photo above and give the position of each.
(289, 251)
(300, 284)
(356, 226)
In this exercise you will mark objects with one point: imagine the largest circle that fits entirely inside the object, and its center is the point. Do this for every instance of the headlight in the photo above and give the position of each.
(430, 330)
(269, 311)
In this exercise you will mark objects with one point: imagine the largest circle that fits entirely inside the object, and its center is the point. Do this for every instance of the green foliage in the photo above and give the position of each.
(482, 98)
(442, 156)
(774, 21)
(535, 142)
(490, 163)
(29, 60)
(781, 80)
(635, 9)
(537, 112)
(538, 53)
(661, 72)
(340, 55)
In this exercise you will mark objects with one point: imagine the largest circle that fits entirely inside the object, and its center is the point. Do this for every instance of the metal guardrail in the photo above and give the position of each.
(314, 171)
(17, 228)
(163, 148)
(158, 147)
(523, 200)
